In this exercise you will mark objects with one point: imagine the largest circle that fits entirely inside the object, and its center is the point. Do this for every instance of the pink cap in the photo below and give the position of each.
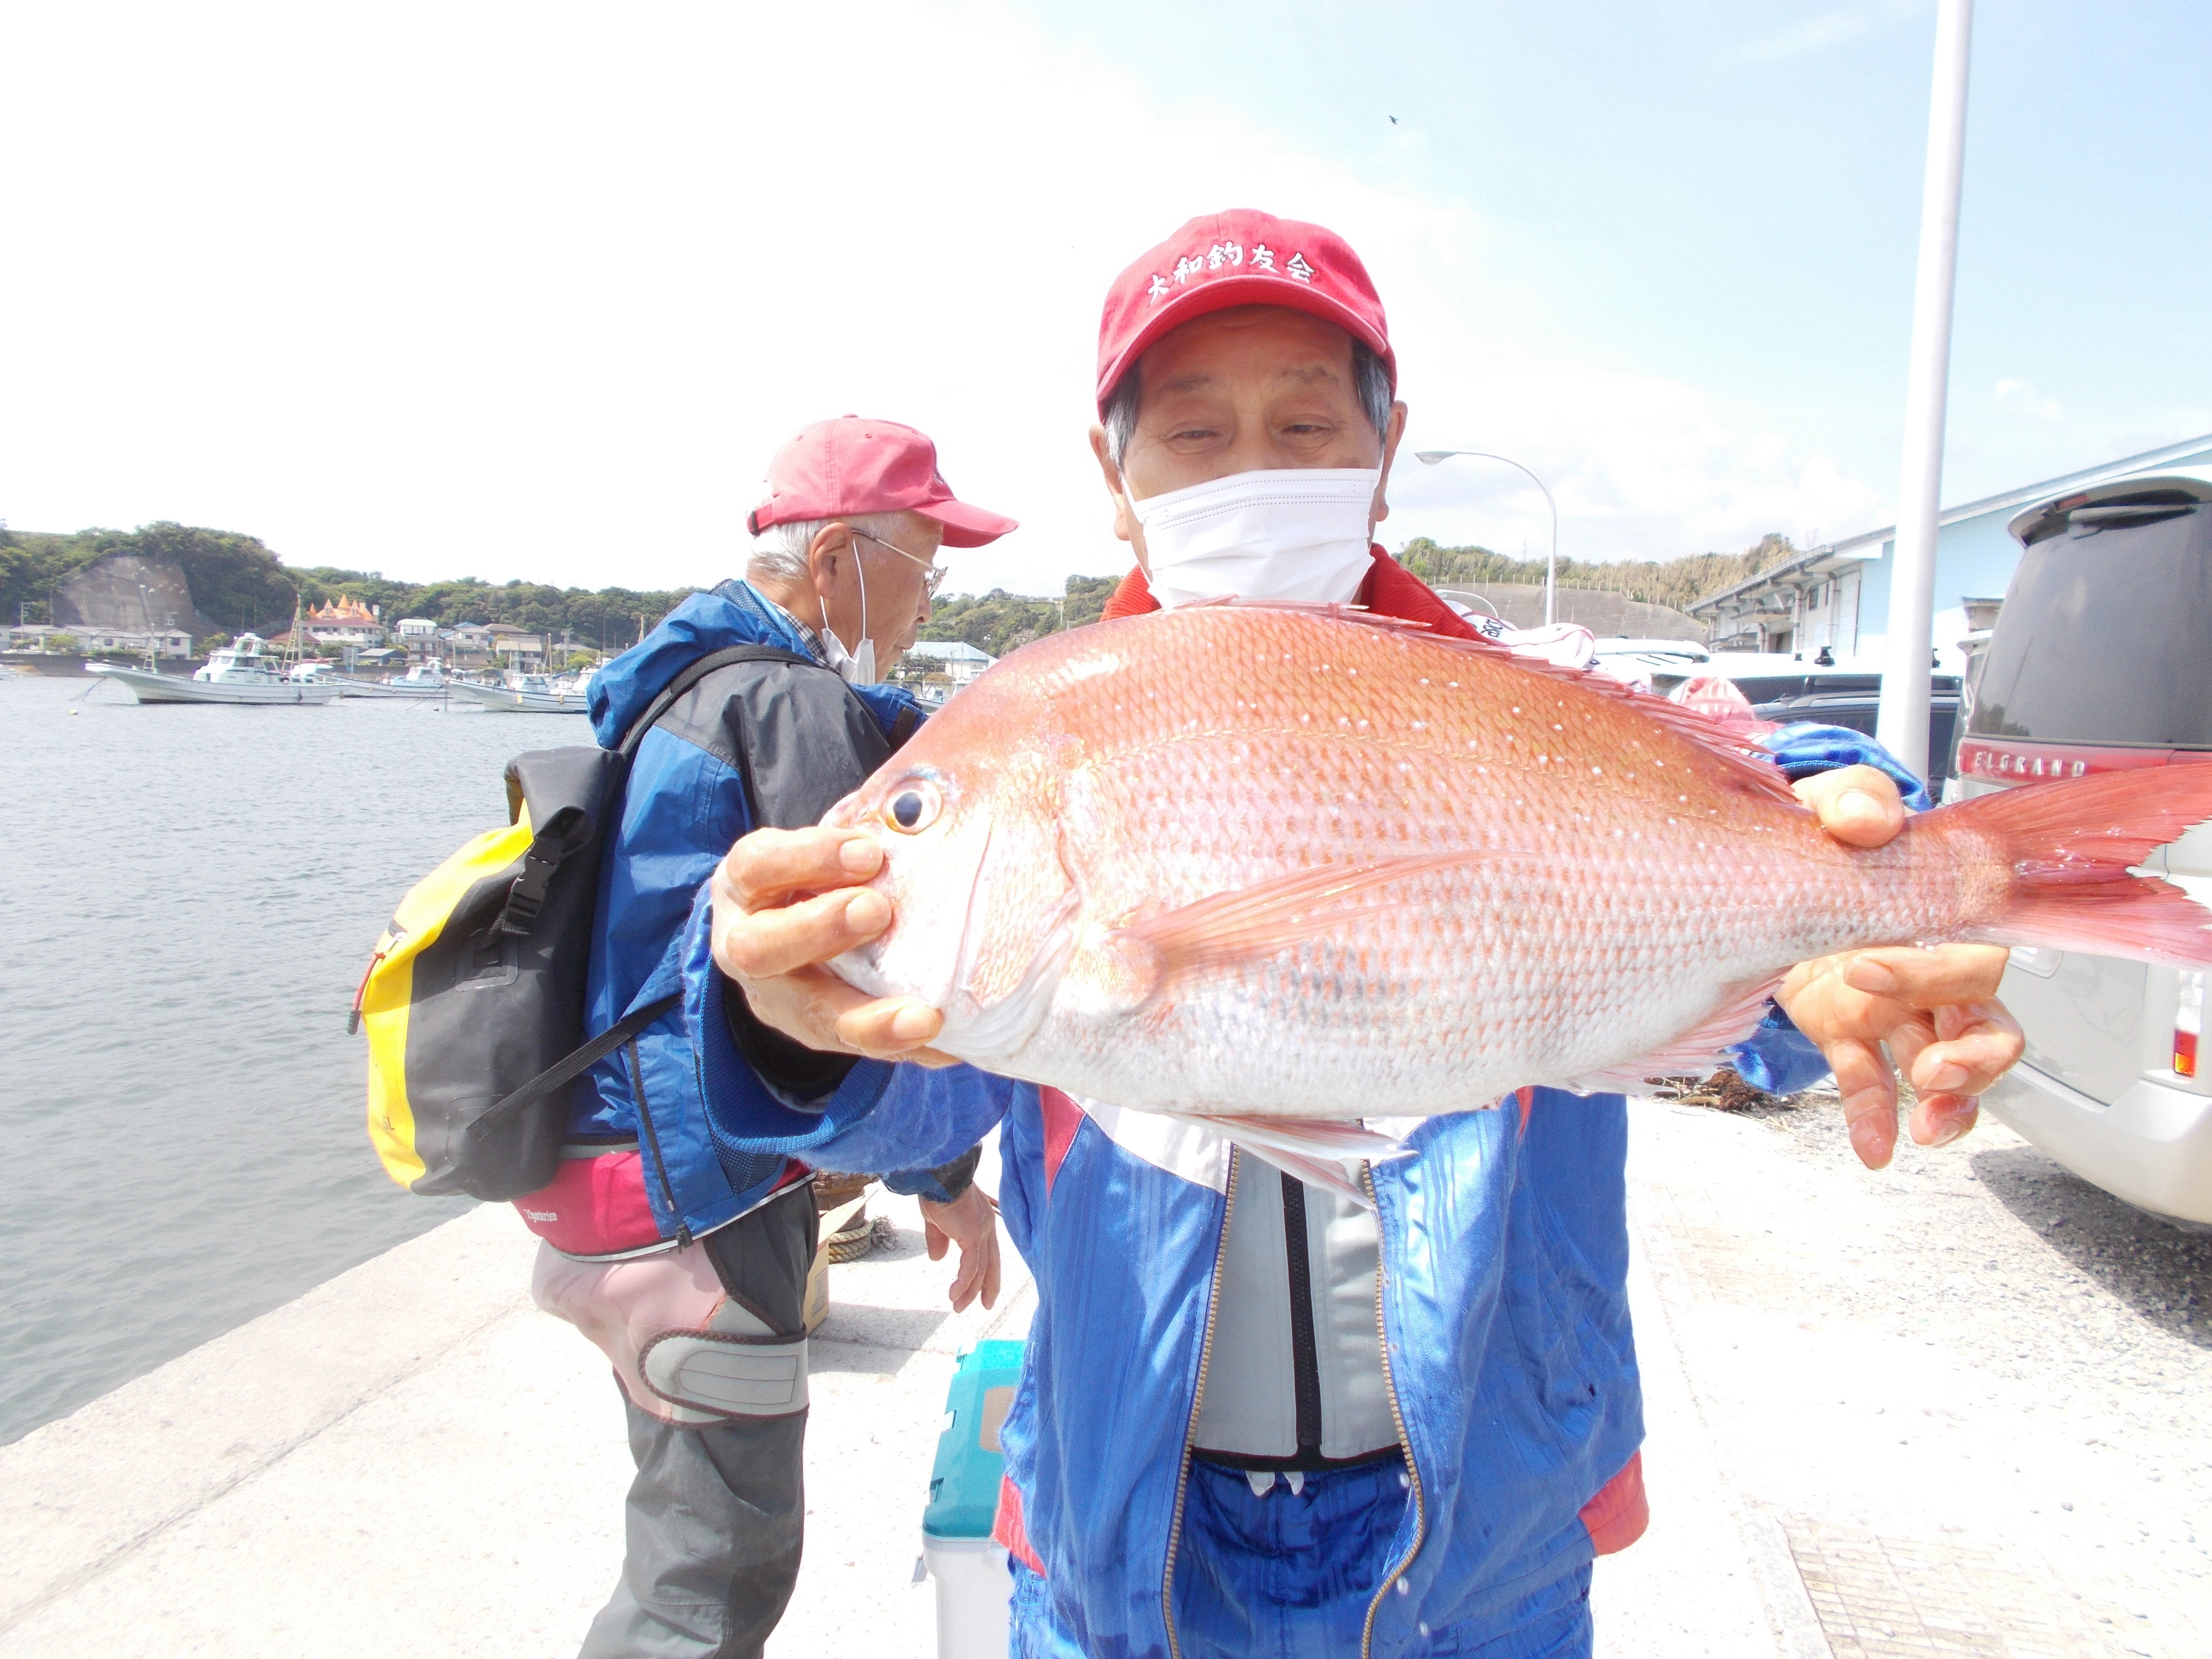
(852, 465)
(1240, 258)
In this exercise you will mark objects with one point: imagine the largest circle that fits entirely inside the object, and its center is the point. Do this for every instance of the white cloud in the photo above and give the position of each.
(2022, 396)
(537, 291)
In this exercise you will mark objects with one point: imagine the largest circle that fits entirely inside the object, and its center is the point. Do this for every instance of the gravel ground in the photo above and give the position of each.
(1973, 1384)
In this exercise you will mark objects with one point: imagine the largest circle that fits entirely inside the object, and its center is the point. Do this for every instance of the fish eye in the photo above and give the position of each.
(914, 806)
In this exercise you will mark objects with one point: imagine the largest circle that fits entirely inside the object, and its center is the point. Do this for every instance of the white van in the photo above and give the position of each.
(2101, 661)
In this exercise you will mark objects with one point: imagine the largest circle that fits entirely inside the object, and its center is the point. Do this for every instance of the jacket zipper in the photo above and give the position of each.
(1305, 1362)
(652, 1144)
(1197, 1401)
(1398, 1419)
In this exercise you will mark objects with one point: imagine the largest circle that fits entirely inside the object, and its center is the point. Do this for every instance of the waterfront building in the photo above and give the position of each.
(165, 641)
(345, 621)
(1834, 598)
(417, 636)
(523, 650)
(957, 660)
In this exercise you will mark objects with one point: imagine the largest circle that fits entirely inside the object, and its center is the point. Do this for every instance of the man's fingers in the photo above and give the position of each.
(770, 863)
(1928, 978)
(1858, 805)
(764, 943)
(1974, 1046)
(1938, 1120)
(934, 1235)
(889, 1027)
(1870, 1098)
(990, 1269)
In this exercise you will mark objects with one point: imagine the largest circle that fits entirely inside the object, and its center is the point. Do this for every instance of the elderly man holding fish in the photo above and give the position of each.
(1318, 982)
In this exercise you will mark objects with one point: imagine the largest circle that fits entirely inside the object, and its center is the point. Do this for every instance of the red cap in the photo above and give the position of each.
(1240, 258)
(852, 465)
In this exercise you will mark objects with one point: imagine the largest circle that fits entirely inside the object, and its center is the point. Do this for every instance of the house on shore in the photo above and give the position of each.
(960, 662)
(344, 621)
(1835, 598)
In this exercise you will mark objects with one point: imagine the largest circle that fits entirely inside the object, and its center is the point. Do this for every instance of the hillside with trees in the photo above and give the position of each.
(999, 621)
(236, 581)
(239, 583)
(1672, 582)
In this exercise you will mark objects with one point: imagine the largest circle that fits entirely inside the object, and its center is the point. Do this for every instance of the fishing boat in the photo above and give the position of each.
(529, 694)
(245, 672)
(422, 679)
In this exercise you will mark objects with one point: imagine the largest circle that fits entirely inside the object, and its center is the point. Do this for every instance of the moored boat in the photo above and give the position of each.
(529, 694)
(243, 673)
(422, 679)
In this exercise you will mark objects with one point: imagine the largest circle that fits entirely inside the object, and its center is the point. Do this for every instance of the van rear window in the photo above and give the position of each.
(2106, 638)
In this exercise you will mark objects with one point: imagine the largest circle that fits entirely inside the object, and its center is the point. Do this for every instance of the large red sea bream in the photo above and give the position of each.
(1259, 862)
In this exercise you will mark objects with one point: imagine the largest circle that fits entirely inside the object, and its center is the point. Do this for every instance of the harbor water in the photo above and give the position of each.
(193, 895)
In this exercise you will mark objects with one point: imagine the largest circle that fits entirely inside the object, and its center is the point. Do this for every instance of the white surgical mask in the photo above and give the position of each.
(855, 664)
(855, 667)
(1294, 534)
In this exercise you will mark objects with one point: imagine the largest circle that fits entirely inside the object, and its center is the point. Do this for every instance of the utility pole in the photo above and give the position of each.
(1902, 726)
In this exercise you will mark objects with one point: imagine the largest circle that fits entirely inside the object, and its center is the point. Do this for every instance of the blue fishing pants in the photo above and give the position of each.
(1284, 1574)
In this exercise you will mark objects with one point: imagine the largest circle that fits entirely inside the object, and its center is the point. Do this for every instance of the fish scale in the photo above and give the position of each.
(1276, 861)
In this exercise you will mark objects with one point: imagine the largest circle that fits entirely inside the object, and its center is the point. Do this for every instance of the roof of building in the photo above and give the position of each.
(1814, 560)
(950, 650)
(345, 611)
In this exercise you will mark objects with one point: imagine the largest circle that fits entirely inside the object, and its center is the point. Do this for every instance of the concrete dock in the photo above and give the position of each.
(411, 1460)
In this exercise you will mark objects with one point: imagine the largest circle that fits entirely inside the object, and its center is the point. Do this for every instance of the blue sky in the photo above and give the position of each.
(534, 290)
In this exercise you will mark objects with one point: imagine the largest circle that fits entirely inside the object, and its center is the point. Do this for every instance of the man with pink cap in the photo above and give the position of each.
(1257, 1417)
(684, 1256)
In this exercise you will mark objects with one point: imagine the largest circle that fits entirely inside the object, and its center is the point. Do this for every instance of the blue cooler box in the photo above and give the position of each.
(973, 1588)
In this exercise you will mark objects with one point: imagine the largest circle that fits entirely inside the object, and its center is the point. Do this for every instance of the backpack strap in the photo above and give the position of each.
(571, 1066)
(695, 672)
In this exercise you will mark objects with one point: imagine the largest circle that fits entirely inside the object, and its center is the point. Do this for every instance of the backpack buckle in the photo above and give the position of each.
(528, 895)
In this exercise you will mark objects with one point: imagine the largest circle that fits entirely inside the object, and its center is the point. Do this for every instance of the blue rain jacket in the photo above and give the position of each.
(1504, 1309)
(683, 806)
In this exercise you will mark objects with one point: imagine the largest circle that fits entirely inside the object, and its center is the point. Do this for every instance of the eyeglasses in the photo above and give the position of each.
(935, 575)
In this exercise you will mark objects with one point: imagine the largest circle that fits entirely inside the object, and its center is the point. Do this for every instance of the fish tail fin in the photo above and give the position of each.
(2070, 846)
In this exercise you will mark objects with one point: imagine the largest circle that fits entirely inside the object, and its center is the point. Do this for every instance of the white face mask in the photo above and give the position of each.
(1295, 534)
(856, 665)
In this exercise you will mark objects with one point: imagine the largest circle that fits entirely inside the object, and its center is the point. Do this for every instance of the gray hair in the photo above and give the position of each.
(779, 552)
(1370, 379)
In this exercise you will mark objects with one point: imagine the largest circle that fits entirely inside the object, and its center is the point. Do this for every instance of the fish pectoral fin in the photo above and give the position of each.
(1313, 1149)
(1248, 924)
(1701, 1049)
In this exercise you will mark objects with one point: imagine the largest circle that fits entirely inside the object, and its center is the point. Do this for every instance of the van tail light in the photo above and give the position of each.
(2188, 1023)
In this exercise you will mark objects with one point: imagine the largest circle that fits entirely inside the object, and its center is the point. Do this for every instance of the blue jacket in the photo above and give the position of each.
(685, 803)
(1504, 1307)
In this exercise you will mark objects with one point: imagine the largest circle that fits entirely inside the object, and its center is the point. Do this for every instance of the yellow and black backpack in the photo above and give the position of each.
(474, 1001)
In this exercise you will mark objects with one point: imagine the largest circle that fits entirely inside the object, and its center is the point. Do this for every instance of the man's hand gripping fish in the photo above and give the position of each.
(1269, 864)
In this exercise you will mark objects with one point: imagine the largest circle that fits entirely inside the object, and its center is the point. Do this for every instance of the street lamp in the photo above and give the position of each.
(1431, 457)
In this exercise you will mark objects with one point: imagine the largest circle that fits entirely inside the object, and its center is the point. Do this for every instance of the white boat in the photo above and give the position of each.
(243, 673)
(422, 679)
(529, 694)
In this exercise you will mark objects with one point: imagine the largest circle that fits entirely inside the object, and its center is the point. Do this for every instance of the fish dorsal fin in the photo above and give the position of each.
(1247, 924)
(1746, 766)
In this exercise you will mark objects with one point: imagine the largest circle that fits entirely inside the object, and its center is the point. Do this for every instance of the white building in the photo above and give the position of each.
(1836, 597)
(957, 660)
(344, 621)
(166, 642)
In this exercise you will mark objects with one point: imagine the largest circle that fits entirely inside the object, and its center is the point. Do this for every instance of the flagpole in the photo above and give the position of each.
(1902, 726)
